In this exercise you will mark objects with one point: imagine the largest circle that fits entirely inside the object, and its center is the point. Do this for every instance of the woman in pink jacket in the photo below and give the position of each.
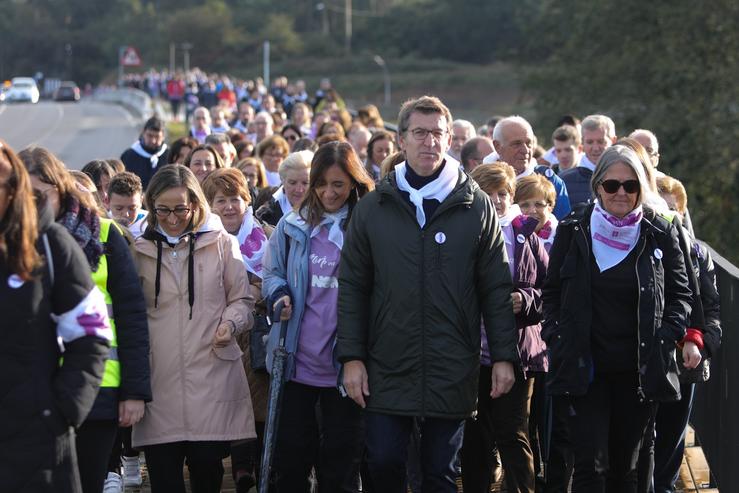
(196, 291)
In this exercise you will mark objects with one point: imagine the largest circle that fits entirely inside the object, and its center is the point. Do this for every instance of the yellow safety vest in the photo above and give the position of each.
(112, 375)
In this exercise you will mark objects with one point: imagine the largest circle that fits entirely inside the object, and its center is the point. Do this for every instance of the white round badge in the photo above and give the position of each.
(521, 239)
(549, 173)
(657, 253)
(15, 281)
(440, 238)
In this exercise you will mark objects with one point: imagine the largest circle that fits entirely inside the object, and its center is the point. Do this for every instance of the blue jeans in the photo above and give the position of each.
(387, 439)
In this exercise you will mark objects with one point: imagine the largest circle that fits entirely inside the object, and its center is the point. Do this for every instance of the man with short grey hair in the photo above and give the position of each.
(514, 140)
(462, 131)
(649, 141)
(598, 134)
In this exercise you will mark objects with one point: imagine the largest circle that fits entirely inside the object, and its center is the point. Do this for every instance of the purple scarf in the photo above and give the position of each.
(84, 225)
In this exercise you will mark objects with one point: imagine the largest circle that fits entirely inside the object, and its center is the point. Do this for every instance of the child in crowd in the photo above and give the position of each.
(124, 200)
(535, 196)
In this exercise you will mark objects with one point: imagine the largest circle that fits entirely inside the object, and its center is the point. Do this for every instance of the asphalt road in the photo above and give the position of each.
(76, 132)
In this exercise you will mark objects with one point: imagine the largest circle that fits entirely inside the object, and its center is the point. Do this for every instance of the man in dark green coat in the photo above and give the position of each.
(423, 259)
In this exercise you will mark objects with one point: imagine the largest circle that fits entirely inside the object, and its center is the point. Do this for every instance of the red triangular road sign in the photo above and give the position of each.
(130, 57)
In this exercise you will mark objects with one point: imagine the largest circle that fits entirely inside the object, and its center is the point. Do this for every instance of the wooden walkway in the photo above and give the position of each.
(694, 473)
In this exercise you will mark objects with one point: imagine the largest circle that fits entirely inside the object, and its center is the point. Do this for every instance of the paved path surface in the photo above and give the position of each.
(76, 132)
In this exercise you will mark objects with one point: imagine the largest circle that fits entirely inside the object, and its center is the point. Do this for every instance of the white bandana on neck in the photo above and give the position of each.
(281, 197)
(439, 189)
(252, 243)
(586, 163)
(613, 238)
(528, 171)
(333, 220)
(153, 158)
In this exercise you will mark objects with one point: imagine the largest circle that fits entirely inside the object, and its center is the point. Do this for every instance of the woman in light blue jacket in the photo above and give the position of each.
(301, 269)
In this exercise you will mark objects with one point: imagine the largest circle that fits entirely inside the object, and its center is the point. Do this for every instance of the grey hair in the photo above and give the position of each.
(649, 134)
(509, 120)
(295, 161)
(620, 154)
(599, 122)
(467, 125)
(203, 110)
(266, 116)
(215, 139)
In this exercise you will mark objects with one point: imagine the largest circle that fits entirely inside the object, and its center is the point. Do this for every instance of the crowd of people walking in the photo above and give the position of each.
(458, 303)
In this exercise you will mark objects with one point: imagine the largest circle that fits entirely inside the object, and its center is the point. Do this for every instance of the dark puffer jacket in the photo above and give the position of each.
(410, 300)
(663, 310)
(39, 398)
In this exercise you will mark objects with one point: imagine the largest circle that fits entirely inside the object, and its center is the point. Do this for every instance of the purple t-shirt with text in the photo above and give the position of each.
(314, 359)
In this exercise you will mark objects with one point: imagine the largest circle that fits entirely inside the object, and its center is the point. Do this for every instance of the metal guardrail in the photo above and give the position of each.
(715, 415)
(135, 100)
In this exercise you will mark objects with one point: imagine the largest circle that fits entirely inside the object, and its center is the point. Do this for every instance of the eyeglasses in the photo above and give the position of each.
(420, 134)
(612, 186)
(291, 137)
(535, 205)
(164, 212)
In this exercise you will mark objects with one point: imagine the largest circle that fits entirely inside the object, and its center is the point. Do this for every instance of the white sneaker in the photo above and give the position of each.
(113, 483)
(131, 471)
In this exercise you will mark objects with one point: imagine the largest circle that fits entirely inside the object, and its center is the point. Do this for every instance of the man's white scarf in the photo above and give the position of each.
(439, 189)
(153, 158)
(586, 163)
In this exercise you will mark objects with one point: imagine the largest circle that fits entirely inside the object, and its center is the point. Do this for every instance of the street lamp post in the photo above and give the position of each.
(386, 75)
(186, 47)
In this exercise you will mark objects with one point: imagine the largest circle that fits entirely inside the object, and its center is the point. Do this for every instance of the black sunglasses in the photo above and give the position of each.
(612, 186)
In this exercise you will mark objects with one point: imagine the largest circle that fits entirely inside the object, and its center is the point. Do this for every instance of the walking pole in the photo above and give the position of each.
(275, 395)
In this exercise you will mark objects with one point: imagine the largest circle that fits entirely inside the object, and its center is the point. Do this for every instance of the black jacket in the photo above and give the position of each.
(39, 398)
(141, 166)
(270, 212)
(132, 330)
(663, 310)
(410, 299)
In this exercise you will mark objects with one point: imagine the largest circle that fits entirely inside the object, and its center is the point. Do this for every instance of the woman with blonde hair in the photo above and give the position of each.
(294, 176)
(198, 302)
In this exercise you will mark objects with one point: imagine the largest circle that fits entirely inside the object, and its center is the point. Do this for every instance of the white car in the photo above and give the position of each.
(22, 89)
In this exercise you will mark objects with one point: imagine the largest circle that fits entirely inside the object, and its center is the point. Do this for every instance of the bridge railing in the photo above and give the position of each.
(715, 415)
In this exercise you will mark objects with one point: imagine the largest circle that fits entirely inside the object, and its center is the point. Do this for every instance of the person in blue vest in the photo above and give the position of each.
(598, 134)
(514, 142)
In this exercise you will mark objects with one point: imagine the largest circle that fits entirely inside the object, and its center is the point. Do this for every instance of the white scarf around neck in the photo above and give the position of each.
(153, 158)
(252, 243)
(281, 197)
(439, 189)
(613, 238)
(333, 220)
(586, 163)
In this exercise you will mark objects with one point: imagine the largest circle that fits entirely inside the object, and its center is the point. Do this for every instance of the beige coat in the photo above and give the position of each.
(199, 393)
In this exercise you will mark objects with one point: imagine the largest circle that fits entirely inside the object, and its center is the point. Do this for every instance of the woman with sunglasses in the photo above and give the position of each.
(198, 302)
(616, 305)
(291, 133)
